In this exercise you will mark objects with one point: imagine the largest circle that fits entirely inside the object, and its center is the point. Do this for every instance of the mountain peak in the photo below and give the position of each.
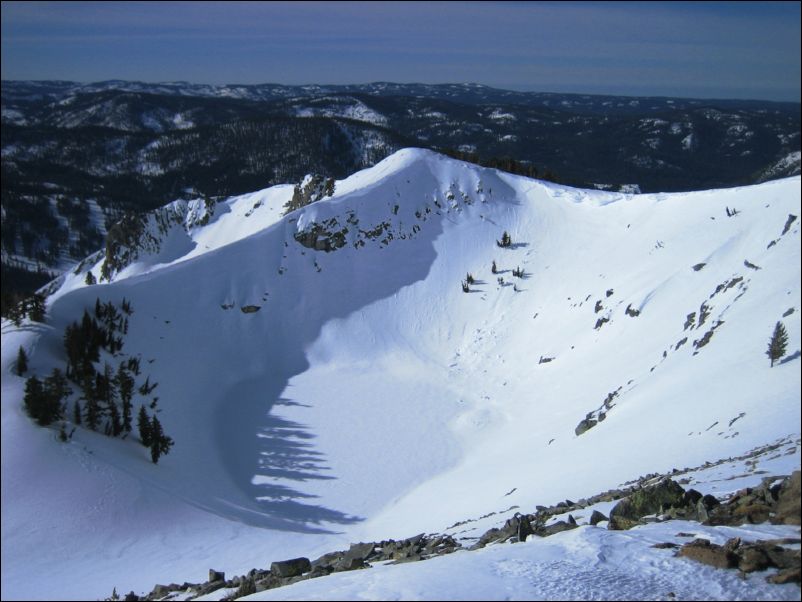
(385, 362)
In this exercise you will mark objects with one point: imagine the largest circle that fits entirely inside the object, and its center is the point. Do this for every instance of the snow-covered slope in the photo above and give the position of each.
(369, 397)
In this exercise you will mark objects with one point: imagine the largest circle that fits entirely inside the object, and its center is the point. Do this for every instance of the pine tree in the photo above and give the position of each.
(43, 399)
(21, 366)
(778, 343)
(76, 413)
(160, 443)
(92, 407)
(57, 389)
(493, 268)
(36, 307)
(144, 426)
(125, 386)
(90, 279)
(16, 313)
(115, 421)
(34, 397)
(146, 388)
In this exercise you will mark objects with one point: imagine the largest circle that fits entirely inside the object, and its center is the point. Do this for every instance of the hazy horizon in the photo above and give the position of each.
(718, 50)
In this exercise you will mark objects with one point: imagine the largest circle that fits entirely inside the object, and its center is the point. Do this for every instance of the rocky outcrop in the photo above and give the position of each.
(311, 189)
(584, 426)
(748, 557)
(135, 236)
(656, 499)
(777, 500)
(291, 568)
(773, 500)
(323, 236)
(286, 572)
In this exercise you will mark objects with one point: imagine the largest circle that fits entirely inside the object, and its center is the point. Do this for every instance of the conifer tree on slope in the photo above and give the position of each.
(21, 366)
(160, 443)
(144, 426)
(778, 343)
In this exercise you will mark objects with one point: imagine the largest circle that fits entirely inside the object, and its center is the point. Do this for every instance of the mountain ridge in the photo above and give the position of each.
(76, 158)
(368, 396)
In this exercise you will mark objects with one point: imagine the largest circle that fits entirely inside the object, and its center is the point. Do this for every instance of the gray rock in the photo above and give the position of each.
(519, 527)
(360, 551)
(557, 527)
(291, 568)
(349, 564)
(328, 561)
(597, 517)
(691, 497)
(655, 499)
(216, 575)
(788, 502)
(159, 591)
(584, 426)
(701, 550)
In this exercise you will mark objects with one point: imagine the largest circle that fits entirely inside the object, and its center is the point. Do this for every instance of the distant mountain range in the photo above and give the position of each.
(77, 157)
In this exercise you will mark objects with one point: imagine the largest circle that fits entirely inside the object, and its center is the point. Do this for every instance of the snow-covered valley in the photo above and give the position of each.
(327, 381)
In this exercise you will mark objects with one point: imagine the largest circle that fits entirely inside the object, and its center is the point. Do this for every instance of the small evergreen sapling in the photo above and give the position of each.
(778, 343)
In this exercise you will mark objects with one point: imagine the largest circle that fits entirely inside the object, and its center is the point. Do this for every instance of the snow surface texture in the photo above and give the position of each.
(370, 398)
(589, 563)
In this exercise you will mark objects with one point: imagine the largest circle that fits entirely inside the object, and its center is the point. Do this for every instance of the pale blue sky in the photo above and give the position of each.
(696, 49)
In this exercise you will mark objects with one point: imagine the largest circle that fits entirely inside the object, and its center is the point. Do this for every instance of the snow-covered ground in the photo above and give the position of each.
(370, 398)
(588, 563)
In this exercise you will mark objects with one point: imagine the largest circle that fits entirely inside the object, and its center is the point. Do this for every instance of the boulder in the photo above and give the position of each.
(518, 527)
(328, 561)
(788, 503)
(350, 564)
(691, 497)
(444, 544)
(791, 575)
(557, 527)
(753, 558)
(782, 558)
(291, 568)
(753, 513)
(597, 517)
(216, 575)
(361, 551)
(701, 550)
(159, 591)
(654, 499)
